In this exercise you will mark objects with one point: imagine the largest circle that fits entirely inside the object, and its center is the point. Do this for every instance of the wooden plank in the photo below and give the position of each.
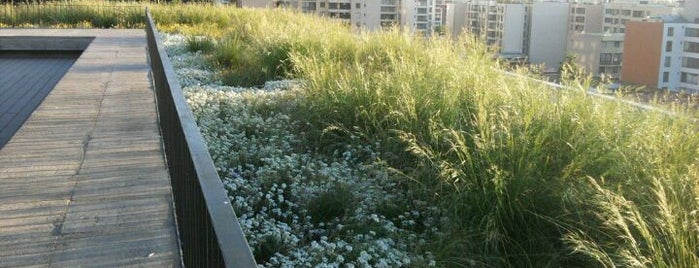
(26, 82)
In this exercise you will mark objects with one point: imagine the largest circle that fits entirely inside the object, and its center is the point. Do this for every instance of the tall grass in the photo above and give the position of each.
(527, 176)
(73, 14)
(250, 47)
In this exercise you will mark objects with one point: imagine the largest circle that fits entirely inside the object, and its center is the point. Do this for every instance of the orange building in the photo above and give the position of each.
(642, 52)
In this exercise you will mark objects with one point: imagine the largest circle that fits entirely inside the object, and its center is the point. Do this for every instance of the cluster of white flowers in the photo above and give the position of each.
(299, 208)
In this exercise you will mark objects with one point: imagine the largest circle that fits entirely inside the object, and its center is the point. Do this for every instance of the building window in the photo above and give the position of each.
(691, 32)
(321, 4)
(668, 46)
(580, 19)
(617, 43)
(610, 58)
(358, 5)
(692, 63)
(668, 62)
(626, 12)
(689, 78)
(388, 9)
(692, 47)
(666, 77)
(670, 31)
(388, 16)
(637, 14)
(580, 10)
(579, 28)
(308, 6)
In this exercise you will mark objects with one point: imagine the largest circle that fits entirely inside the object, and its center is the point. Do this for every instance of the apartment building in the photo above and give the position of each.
(548, 34)
(617, 14)
(596, 33)
(597, 51)
(537, 32)
(419, 16)
(663, 54)
(503, 26)
(440, 13)
(585, 18)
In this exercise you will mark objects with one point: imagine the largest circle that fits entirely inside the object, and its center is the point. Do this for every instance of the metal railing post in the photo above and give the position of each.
(210, 234)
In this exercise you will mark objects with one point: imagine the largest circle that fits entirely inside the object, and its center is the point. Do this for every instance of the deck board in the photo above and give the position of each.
(25, 80)
(83, 181)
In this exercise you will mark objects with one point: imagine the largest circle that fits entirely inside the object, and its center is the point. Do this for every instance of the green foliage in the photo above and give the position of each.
(528, 176)
(73, 14)
(570, 69)
(331, 204)
(200, 43)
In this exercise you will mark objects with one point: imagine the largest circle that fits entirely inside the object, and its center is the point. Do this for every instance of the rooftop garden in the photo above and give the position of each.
(346, 149)
(384, 149)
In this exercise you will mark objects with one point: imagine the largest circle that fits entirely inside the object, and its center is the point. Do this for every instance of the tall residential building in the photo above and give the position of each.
(504, 26)
(549, 34)
(597, 51)
(662, 54)
(535, 31)
(617, 14)
(586, 18)
(417, 15)
(440, 13)
(412, 15)
(596, 33)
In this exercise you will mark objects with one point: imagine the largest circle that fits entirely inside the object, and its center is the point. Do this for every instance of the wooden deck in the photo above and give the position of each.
(83, 182)
(25, 80)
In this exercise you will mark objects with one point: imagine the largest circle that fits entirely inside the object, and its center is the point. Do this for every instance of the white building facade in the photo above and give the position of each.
(503, 26)
(418, 16)
(680, 57)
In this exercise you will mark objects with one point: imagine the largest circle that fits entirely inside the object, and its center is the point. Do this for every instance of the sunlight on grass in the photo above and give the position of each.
(528, 176)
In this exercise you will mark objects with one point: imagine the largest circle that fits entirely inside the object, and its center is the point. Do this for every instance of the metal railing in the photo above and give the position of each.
(107, 15)
(210, 234)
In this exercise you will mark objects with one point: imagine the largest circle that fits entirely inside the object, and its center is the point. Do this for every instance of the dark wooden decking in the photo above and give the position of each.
(25, 80)
(83, 182)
